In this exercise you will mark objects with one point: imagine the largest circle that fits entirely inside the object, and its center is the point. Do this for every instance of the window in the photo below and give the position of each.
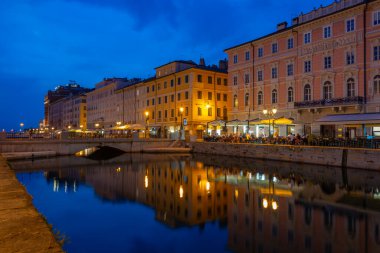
(274, 48)
(247, 55)
(159, 86)
(259, 75)
(376, 53)
(235, 58)
(260, 98)
(327, 32)
(225, 81)
(199, 78)
(307, 92)
(290, 69)
(224, 97)
(172, 113)
(260, 52)
(274, 96)
(209, 111)
(218, 112)
(246, 78)
(186, 95)
(209, 79)
(290, 43)
(187, 79)
(172, 98)
(235, 101)
(290, 94)
(327, 90)
(165, 85)
(152, 87)
(209, 95)
(274, 72)
(350, 25)
(152, 101)
(246, 99)
(159, 114)
(179, 80)
(199, 111)
(351, 87)
(235, 80)
(166, 99)
(219, 81)
(376, 84)
(376, 18)
(186, 111)
(166, 114)
(147, 89)
(159, 100)
(147, 102)
(199, 94)
(307, 38)
(350, 58)
(171, 83)
(307, 66)
(178, 96)
(327, 62)
(217, 96)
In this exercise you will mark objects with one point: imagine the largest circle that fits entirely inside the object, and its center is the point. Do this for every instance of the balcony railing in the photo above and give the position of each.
(329, 102)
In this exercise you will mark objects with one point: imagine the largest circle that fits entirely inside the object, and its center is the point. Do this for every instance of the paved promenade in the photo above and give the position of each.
(22, 228)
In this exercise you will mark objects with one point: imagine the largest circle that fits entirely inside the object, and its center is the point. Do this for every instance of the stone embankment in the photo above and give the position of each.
(332, 156)
(22, 228)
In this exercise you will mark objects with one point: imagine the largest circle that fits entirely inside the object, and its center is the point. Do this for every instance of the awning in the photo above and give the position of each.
(217, 122)
(137, 127)
(278, 121)
(350, 119)
(236, 122)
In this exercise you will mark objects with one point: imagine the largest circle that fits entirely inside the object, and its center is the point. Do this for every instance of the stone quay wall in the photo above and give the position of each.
(330, 156)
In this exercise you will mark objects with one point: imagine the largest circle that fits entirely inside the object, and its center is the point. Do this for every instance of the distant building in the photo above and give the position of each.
(53, 96)
(327, 62)
(105, 105)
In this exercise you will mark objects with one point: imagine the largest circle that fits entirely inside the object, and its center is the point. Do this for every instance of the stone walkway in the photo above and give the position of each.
(22, 228)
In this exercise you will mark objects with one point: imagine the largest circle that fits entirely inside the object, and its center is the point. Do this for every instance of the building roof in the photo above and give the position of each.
(179, 61)
(360, 2)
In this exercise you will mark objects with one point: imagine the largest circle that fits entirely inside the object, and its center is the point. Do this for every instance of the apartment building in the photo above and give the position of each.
(320, 74)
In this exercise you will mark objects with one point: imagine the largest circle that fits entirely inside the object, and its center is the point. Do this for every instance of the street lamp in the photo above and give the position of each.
(21, 126)
(146, 122)
(269, 114)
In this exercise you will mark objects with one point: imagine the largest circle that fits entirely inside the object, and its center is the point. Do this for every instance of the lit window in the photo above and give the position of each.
(246, 100)
(235, 101)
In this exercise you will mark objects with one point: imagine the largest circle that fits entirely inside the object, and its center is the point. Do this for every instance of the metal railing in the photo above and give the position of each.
(330, 102)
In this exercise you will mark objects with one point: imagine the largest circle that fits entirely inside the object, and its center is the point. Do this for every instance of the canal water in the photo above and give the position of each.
(198, 203)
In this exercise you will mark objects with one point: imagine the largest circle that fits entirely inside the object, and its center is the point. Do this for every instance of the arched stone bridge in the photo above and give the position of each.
(72, 146)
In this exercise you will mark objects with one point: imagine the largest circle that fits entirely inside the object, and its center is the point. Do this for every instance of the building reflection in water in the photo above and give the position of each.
(266, 208)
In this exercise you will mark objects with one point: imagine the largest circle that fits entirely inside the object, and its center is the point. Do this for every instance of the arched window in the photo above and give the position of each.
(235, 101)
(376, 84)
(307, 92)
(274, 96)
(290, 94)
(246, 99)
(327, 90)
(260, 98)
(350, 87)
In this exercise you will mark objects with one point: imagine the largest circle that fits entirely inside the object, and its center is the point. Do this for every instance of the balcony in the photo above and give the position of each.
(330, 102)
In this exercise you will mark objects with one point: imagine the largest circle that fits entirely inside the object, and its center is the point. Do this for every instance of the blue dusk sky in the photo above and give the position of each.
(46, 43)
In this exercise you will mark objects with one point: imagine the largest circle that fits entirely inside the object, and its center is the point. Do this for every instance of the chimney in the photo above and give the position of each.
(282, 26)
(223, 64)
(202, 62)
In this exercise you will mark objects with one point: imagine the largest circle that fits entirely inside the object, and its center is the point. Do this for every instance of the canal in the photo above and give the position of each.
(198, 203)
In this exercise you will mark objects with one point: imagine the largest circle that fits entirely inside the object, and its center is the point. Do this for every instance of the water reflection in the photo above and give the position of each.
(265, 206)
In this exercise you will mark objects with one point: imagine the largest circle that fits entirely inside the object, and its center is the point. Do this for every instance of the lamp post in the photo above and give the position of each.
(269, 114)
(146, 123)
(181, 128)
(21, 126)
